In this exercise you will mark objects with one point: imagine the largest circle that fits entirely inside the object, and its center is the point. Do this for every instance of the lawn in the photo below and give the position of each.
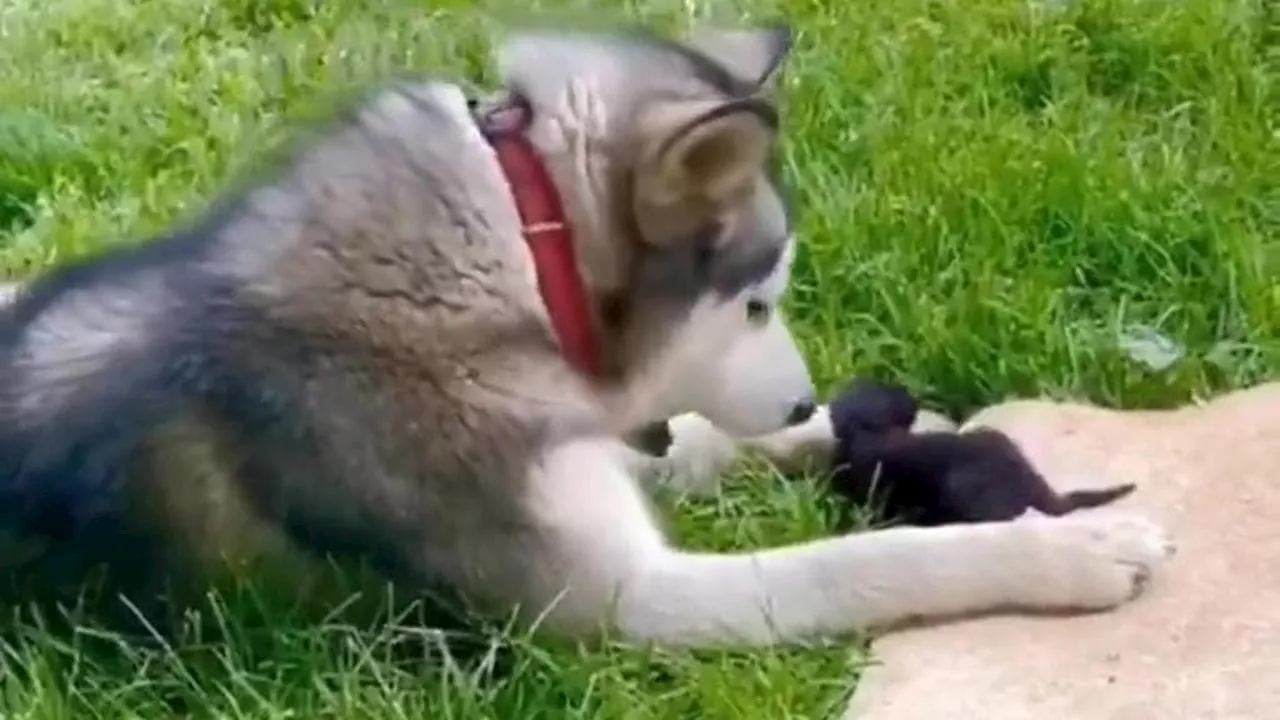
(998, 197)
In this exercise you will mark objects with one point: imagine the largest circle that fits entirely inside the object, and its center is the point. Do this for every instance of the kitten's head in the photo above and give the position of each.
(871, 406)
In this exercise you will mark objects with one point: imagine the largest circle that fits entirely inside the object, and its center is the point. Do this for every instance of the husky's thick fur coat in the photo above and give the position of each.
(352, 360)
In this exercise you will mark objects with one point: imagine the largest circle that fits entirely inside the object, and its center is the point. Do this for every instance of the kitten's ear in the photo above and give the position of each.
(754, 57)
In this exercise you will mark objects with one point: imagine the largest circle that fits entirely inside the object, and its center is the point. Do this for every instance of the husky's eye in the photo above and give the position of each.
(757, 311)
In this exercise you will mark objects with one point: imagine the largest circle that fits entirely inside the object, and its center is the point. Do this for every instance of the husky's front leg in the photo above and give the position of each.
(810, 446)
(607, 561)
(700, 453)
(804, 447)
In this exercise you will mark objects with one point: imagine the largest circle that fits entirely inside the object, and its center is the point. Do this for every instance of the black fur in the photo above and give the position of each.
(652, 439)
(937, 478)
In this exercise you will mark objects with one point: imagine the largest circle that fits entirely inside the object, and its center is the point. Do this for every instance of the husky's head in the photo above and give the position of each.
(664, 153)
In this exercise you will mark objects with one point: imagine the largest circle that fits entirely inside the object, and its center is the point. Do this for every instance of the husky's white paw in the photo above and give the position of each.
(698, 455)
(1094, 560)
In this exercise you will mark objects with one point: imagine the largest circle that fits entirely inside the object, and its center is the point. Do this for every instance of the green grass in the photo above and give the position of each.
(998, 198)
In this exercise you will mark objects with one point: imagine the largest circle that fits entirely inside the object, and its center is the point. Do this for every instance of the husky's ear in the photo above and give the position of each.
(752, 56)
(708, 157)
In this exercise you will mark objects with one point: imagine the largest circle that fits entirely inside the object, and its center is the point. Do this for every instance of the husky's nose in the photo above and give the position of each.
(802, 411)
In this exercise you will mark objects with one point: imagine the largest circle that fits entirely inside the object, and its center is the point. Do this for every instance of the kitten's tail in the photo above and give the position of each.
(1081, 499)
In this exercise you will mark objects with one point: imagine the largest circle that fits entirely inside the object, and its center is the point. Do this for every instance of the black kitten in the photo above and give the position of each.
(937, 478)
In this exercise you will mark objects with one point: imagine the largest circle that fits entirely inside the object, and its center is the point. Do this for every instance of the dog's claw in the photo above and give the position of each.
(1099, 560)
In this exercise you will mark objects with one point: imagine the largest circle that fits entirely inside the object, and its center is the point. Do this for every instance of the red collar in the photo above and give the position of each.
(547, 233)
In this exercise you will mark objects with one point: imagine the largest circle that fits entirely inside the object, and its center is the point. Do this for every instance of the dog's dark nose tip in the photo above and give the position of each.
(802, 411)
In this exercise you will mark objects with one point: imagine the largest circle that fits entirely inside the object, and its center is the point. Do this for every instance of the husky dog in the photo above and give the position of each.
(353, 359)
